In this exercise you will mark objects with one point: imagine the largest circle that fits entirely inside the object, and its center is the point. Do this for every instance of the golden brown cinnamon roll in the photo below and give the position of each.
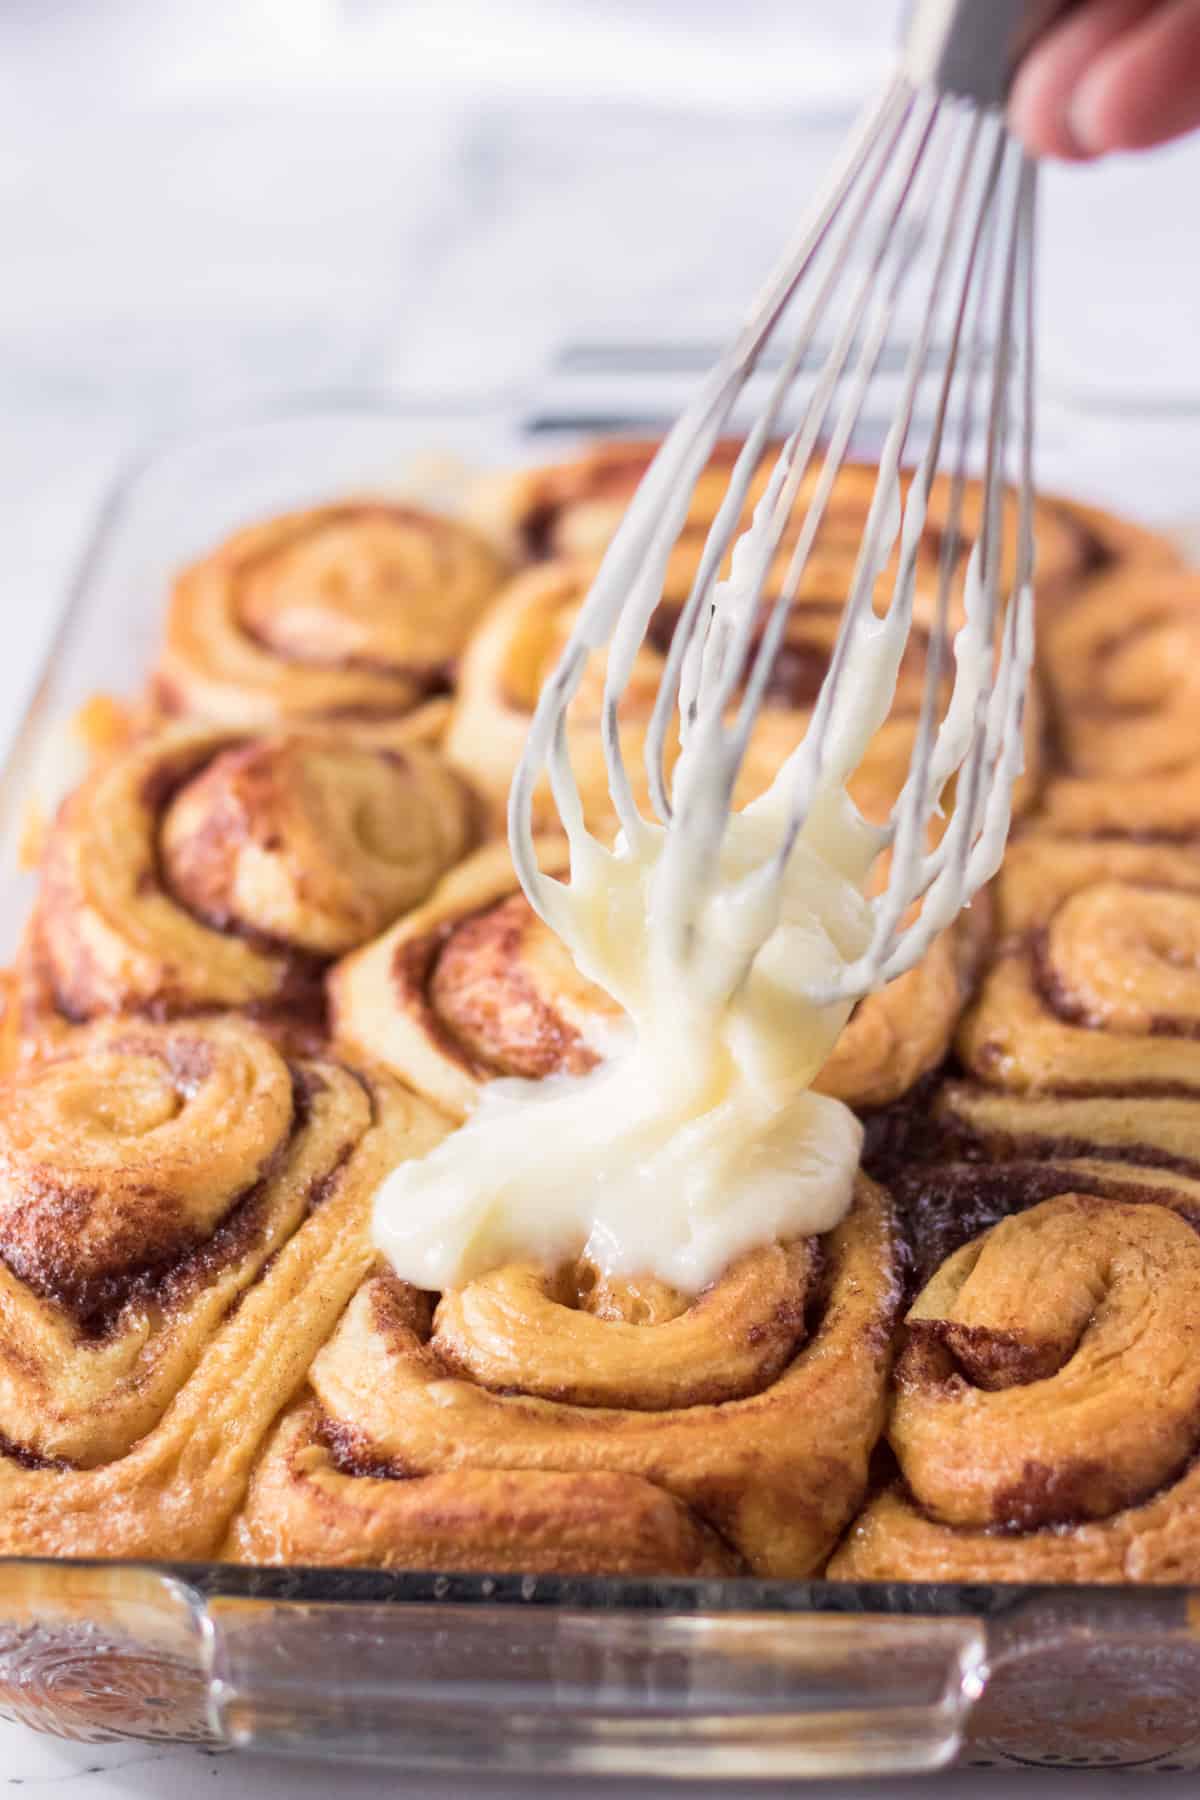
(201, 870)
(572, 509)
(470, 986)
(1120, 664)
(1046, 1417)
(500, 678)
(1097, 987)
(1123, 664)
(523, 635)
(666, 1435)
(473, 985)
(355, 611)
(182, 1217)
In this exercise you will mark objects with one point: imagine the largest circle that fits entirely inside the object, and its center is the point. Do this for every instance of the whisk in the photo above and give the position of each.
(931, 198)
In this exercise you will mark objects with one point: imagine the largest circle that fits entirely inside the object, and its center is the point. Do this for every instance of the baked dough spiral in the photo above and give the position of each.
(1046, 1416)
(470, 986)
(519, 642)
(572, 508)
(1098, 985)
(1121, 666)
(353, 611)
(739, 1425)
(182, 1217)
(473, 985)
(203, 870)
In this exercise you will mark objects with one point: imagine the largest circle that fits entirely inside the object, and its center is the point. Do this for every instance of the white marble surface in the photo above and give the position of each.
(204, 206)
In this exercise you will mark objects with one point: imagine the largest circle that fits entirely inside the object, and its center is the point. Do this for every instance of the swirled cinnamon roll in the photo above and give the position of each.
(473, 985)
(1046, 1416)
(501, 675)
(572, 509)
(354, 611)
(563, 1421)
(519, 642)
(182, 1217)
(1097, 986)
(200, 870)
(1121, 665)
(470, 986)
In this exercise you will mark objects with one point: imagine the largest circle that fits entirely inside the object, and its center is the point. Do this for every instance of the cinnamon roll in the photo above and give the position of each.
(1046, 1415)
(519, 642)
(1121, 665)
(560, 1420)
(470, 986)
(572, 509)
(473, 985)
(354, 611)
(1096, 987)
(201, 870)
(500, 678)
(182, 1217)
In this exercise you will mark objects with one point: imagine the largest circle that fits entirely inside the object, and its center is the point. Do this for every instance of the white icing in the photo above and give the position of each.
(700, 1137)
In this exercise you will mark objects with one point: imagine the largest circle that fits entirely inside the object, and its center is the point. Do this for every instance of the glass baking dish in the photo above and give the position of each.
(725, 1678)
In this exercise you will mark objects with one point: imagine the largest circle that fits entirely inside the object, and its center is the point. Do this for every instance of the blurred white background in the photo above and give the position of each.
(207, 202)
(199, 198)
(202, 201)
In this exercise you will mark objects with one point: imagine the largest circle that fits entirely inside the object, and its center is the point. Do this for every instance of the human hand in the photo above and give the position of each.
(1113, 75)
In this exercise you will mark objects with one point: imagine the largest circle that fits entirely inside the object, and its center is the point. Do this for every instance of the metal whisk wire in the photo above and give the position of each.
(914, 155)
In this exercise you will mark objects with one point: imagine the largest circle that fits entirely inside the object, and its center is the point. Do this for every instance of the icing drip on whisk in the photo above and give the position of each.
(699, 1137)
(737, 943)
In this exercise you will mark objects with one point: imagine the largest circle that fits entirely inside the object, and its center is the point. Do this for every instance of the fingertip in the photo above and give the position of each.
(1040, 110)
(1039, 113)
(1094, 120)
(1146, 89)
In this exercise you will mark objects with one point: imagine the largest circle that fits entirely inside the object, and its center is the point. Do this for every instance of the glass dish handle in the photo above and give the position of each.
(523, 1689)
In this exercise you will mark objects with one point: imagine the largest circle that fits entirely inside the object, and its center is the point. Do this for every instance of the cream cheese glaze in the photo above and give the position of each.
(699, 1137)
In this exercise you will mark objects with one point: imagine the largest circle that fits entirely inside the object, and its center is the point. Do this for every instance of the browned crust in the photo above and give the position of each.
(301, 1508)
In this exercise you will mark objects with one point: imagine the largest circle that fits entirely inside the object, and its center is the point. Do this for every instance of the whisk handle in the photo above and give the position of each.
(973, 47)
